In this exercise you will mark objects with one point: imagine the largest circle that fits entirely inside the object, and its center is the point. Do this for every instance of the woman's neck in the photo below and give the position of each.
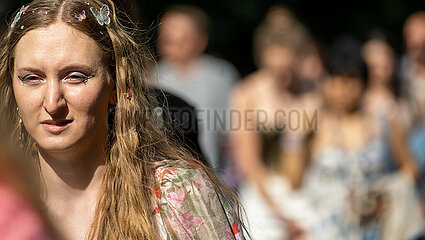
(344, 114)
(378, 86)
(72, 185)
(68, 177)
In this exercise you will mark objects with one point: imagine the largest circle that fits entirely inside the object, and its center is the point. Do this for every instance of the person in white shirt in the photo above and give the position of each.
(202, 80)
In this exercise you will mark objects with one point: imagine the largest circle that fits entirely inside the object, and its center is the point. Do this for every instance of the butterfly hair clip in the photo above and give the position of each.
(102, 15)
(19, 14)
(82, 16)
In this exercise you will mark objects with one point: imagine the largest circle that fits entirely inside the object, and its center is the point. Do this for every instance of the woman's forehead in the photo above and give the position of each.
(57, 44)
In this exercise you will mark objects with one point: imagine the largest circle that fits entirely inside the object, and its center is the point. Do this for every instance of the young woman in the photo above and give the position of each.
(348, 181)
(64, 65)
(381, 99)
(264, 101)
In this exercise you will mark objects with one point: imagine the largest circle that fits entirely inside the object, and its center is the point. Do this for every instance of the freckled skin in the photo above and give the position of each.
(47, 52)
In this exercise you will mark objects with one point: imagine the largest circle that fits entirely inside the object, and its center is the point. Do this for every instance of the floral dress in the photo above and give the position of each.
(334, 184)
(188, 204)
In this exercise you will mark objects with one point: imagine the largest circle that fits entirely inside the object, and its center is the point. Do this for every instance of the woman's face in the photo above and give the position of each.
(342, 94)
(379, 60)
(279, 62)
(61, 88)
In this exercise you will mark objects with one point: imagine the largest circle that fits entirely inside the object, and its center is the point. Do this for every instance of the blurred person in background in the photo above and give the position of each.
(414, 38)
(413, 73)
(201, 80)
(21, 212)
(382, 99)
(346, 177)
(179, 119)
(279, 21)
(412, 67)
(309, 69)
(382, 96)
(261, 101)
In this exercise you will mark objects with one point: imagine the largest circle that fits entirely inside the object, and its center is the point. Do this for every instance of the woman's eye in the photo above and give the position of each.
(77, 77)
(31, 79)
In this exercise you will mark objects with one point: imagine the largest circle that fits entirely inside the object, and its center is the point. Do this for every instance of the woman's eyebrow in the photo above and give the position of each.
(80, 67)
(29, 69)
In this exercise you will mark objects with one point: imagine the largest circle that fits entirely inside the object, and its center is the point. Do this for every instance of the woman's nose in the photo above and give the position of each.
(53, 98)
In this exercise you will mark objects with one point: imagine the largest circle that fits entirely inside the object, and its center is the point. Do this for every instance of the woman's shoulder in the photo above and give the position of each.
(249, 90)
(255, 82)
(172, 170)
(189, 204)
(175, 176)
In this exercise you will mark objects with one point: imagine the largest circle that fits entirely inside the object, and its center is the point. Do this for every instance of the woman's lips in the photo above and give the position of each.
(56, 126)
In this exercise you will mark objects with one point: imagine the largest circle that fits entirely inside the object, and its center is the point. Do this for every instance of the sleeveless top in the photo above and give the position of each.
(335, 183)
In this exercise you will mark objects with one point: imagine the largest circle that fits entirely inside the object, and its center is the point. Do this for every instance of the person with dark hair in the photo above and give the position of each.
(180, 119)
(200, 79)
(66, 65)
(346, 171)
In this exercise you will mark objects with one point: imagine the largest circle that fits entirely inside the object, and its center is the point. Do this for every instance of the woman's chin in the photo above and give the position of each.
(56, 147)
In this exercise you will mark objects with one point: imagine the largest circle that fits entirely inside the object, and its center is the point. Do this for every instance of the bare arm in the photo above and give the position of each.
(398, 142)
(246, 147)
(294, 159)
(246, 143)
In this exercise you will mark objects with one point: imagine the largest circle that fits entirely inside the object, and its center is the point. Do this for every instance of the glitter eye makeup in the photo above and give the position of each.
(77, 77)
(72, 78)
(31, 79)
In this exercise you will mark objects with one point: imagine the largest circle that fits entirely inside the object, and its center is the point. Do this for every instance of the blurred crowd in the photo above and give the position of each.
(320, 142)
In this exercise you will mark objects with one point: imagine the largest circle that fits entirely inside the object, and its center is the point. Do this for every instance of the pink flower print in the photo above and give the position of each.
(196, 221)
(177, 197)
(190, 223)
(185, 224)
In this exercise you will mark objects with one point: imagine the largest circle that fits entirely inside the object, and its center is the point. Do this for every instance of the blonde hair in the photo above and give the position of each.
(125, 206)
(279, 28)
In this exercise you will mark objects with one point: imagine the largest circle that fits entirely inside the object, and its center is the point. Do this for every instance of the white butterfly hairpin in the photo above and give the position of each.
(102, 15)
